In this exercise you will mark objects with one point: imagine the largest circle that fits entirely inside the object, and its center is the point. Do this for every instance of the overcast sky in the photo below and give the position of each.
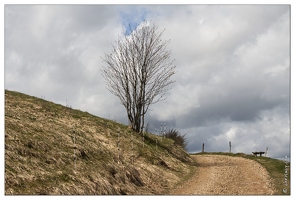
(233, 67)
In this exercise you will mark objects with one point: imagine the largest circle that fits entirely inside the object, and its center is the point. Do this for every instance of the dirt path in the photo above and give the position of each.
(227, 175)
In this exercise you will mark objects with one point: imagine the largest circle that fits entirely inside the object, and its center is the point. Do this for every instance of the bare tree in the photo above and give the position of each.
(138, 71)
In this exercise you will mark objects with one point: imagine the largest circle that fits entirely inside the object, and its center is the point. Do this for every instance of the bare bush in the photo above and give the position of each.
(177, 137)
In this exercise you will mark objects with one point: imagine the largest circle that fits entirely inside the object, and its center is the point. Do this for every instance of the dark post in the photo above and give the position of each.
(161, 132)
(203, 146)
(229, 147)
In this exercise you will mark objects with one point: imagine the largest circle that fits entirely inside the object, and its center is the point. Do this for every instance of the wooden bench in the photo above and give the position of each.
(258, 152)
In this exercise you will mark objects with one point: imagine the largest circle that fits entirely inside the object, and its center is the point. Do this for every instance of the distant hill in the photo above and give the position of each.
(53, 149)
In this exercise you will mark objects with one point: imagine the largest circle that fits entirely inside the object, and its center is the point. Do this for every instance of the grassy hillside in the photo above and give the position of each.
(277, 169)
(53, 149)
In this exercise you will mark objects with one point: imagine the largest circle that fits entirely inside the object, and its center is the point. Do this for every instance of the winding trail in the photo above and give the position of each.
(226, 175)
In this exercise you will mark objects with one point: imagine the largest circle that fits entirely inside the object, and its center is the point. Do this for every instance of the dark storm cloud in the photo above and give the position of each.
(242, 105)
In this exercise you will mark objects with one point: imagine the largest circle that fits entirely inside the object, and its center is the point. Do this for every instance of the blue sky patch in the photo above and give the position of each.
(132, 18)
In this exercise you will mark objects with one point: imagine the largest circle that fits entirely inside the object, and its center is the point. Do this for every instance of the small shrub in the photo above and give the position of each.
(176, 137)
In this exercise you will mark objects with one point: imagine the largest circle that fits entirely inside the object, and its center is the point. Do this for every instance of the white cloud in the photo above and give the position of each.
(233, 65)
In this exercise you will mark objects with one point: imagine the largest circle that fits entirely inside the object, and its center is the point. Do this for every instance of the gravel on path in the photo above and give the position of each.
(226, 175)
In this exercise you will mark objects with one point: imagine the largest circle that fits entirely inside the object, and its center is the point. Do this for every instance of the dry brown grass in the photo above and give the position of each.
(39, 153)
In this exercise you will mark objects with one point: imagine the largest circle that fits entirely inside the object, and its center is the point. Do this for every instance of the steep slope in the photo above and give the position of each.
(53, 149)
